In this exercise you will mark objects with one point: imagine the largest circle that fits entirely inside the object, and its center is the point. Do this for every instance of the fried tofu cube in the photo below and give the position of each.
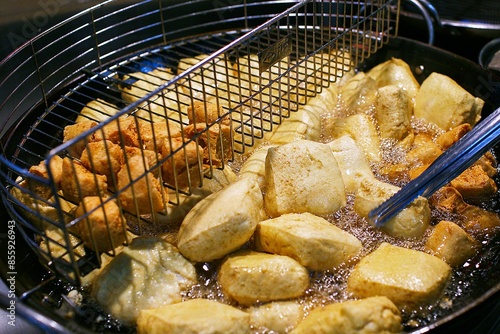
(311, 240)
(423, 154)
(144, 83)
(474, 184)
(102, 227)
(182, 168)
(150, 157)
(364, 316)
(276, 317)
(395, 72)
(194, 316)
(255, 165)
(488, 163)
(103, 157)
(123, 131)
(357, 94)
(148, 273)
(215, 141)
(138, 190)
(450, 137)
(451, 243)
(362, 129)
(72, 131)
(77, 182)
(250, 277)
(154, 134)
(409, 278)
(206, 113)
(393, 112)
(353, 164)
(222, 222)
(443, 102)
(475, 220)
(296, 173)
(40, 170)
(97, 110)
(411, 222)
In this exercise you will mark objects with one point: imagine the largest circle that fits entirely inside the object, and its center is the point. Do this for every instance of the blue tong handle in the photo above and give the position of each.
(445, 168)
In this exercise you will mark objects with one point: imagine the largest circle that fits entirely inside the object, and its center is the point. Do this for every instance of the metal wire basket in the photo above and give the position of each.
(136, 105)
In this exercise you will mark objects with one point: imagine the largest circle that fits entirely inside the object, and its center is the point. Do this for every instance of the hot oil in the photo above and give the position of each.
(330, 286)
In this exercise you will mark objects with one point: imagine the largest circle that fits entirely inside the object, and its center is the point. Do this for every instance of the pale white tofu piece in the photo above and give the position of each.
(251, 277)
(371, 315)
(305, 123)
(148, 273)
(444, 102)
(255, 165)
(393, 112)
(97, 110)
(276, 317)
(357, 94)
(311, 240)
(194, 316)
(352, 162)
(411, 222)
(362, 129)
(303, 176)
(395, 72)
(451, 243)
(222, 222)
(409, 278)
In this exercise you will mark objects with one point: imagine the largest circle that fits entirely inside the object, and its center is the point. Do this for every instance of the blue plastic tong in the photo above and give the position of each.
(445, 168)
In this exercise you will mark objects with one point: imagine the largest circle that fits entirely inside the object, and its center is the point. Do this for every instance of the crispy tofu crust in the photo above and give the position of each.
(103, 228)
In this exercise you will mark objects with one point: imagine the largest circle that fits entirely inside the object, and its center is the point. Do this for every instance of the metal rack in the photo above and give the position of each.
(257, 62)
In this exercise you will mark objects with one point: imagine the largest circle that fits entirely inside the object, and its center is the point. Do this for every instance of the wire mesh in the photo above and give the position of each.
(156, 96)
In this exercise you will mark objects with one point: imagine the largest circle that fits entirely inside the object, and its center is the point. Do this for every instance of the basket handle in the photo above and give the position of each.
(431, 17)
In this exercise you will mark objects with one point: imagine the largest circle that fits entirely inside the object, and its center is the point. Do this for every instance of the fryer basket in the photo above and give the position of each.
(151, 63)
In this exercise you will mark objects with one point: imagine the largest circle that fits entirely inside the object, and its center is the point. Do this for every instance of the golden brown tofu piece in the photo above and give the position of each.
(251, 277)
(103, 227)
(183, 165)
(103, 157)
(364, 316)
(474, 184)
(409, 278)
(423, 154)
(122, 131)
(222, 222)
(448, 138)
(73, 131)
(488, 163)
(440, 100)
(206, 113)
(215, 141)
(311, 240)
(78, 182)
(451, 243)
(476, 220)
(139, 191)
(40, 170)
(154, 134)
(194, 316)
(416, 171)
(395, 72)
(276, 317)
(151, 158)
(393, 112)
